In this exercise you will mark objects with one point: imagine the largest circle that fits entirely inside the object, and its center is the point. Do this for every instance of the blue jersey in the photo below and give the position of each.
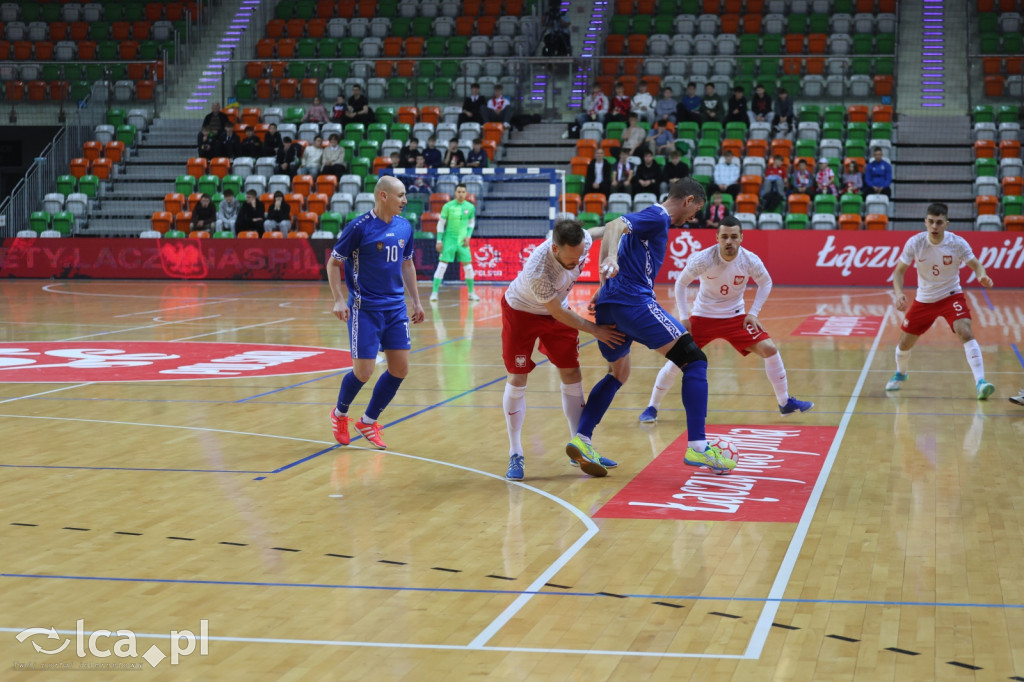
(641, 253)
(373, 252)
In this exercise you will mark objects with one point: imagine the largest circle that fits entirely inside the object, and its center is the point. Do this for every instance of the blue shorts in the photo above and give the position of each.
(646, 323)
(372, 330)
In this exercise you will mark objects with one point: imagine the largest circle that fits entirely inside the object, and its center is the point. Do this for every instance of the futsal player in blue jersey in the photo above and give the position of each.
(626, 300)
(376, 251)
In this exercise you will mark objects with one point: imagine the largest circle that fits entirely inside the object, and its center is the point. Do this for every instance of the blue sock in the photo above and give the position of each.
(383, 392)
(695, 398)
(597, 404)
(349, 388)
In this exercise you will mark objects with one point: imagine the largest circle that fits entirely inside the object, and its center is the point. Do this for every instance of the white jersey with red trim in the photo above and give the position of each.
(722, 283)
(938, 265)
(544, 279)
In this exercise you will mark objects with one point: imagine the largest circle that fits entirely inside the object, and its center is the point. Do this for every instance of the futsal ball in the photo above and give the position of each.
(727, 447)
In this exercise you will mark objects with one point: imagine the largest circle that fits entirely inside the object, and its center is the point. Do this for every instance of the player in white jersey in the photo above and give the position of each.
(938, 255)
(719, 312)
(534, 308)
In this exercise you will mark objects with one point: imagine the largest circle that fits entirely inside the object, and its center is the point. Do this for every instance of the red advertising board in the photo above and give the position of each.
(828, 258)
(776, 469)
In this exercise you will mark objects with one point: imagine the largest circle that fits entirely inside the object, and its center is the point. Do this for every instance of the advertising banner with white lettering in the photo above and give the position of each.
(776, 469)
(68, 361)
(804, 257)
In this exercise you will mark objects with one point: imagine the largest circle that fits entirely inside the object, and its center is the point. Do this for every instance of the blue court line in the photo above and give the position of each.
(195, 471)
(984, 292)
(336, 374)
(1020, 358)
(1016, 350)
(451, 590)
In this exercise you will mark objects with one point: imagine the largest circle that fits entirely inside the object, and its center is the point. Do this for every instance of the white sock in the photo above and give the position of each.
(572, 405)
(666, 376)
(514, 405)
(902, 360)
(365, 420)
(776, 372)
(973, 352)
(698, 445)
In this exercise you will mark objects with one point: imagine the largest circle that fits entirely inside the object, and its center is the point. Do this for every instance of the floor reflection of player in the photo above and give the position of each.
(454, 370)
(724, 270)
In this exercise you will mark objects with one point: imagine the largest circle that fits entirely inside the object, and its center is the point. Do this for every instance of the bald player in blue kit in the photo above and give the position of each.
(376, 251)
(636, 245)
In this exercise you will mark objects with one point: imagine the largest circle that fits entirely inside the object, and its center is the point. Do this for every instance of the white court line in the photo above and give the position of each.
(233, 329)
(178, 307)
(405, 645)
(36, 395)
(778, 590)
(132, 329)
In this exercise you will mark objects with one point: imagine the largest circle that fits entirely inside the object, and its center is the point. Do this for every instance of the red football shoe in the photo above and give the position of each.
(371, 432)
(340, 427)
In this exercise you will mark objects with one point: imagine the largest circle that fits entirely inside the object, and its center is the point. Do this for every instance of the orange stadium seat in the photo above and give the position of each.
(877, 221)
(730, 23)
(883, 86)
(757, 148)
(494, 131)
(750, 184)
(316, 28)
(985, 149)
(317, 203)
(174, 202)
(799, 203)
(306, 222)
(579, 165)
(288, 88)
(286, 48)
(991, 66)
(140, 29)
(986, 205)
(881, 113)
(815, 65)
(782, 147)
(610, 148)
(199, 234)
(92, 150)
(408, 115)
(611, 67)
(491, 147)
(79, 167)
(326, 184)
(220, 166)
(631, 66)
(44, 51)
(309, 87)
(144, 90)
(296, 28)
(37, 91)
(857, 113)
(298, 232)
(586, 148)
(431, 115)
(428, 221)
(465, 26)
(183, 221)
(438, 200)
(296, 202)
(614, 44)
(161, 221)
(752, 23)
(637, 43)
(1009, 149)
(849, 221)
(380, 163)
(249, 234)
(1013, 186)
(485, 25)
(302, 184)
(734, 146)
(384, 68)
(251, 116)
(746, 202)
(1013, 223)
(817, 43)
(276, 28)
(102, 168)
(58, 31)
(265, 48)
(595, 202)
(276, 234)
(254, 70)
(792, 66)
(472, 7)
(414, 46)
(197, 166)
(193, 199)
(795, 43)
(573, 203)
(393, 46)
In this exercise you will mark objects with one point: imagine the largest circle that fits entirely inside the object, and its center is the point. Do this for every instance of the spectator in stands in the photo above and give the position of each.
(453, 157)
(690, 106)
(411, 150)
(477, 155)
(774, 177)
(825, 179)
(420, 183)
(760, 107)
(643, 103)
(661, 140)
(338, 110)
(279, 215)
(715, 212)
(877, 174)
(673, 170)
(665, 108)
(250, 145)
(599, 176)
(622, 177)
(287, 160)
(250, 214)
(727, 174)
(634, 136)
(711, 107)
(272, 141)
(206, 144)
(332, 161)
(204, 215)
(618, 110)
(647, 177)
(358, 110)
(853, 180)
(316, 113)
(217, 122)
(312, 158)
(499, 108)
(396, 160)
(595, 107)
(737, 107)
(227, 212)
(803, 179)
(432, 155)
(233, 144)
(783, 110)
(472, 106)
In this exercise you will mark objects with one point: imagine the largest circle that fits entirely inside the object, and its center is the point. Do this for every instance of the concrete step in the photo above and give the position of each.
(916, 154)
(935, 173)
(933, 191)
(915, 210)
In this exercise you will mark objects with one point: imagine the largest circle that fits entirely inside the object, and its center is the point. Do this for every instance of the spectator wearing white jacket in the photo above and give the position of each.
(595, 107)
(643, 103)
(312, 158)
(227, 213)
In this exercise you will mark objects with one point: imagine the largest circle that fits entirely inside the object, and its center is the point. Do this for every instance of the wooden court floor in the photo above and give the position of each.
(151, 506)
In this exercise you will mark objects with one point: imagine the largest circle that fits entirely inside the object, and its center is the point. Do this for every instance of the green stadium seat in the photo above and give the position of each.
(1008, 113)
(369, 148)
(851, 203)
(115, 117)
(378, 132)
(332, 222)
(209, 184)
(589, 219)
(355, 132)
(711, 131)
(174, 234)
(398, 87)
(863, 43)
(435, 46)
(885, 43)
(39, 221)
(458, 46)
(857, 131)
(1013, 205)
(442, 88)
(66, 184)
(855, 148)
(835, 113)
(574, 184)
(881, 131)
(185, 184)
(796, 23)
(63, 222)
(809, 113)
(233, 183)
(806, 148)
(223, 234)
(797, 221)
(735, 131)
(401, 131)
(361, 165)
(349, 47)
(986, 168)
(825, 203)
(385, 115)
(296, 69)
(771, 44)
(89, 185)
(984, 113)
(245, 90)
(294, 115)
(126, 133)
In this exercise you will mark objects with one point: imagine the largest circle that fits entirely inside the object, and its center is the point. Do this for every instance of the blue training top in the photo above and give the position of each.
(373, 252)
(641, 253)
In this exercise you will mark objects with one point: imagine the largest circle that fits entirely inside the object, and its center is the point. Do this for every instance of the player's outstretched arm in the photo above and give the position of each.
(606, 333)
(979, 272)
(337, 282)
(899, 298)
(409, 279)
(610, 234)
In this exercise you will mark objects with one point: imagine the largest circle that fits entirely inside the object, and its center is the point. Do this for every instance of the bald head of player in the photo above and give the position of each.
(685, 198)
(567, 243)
(730, 234)
(936, 221)
(389, 198)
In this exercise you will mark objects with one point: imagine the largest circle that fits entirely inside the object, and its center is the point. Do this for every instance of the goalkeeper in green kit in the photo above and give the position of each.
(458, 218)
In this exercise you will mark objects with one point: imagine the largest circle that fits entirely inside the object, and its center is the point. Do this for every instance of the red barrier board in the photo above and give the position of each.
(828, 258)
(776, 469)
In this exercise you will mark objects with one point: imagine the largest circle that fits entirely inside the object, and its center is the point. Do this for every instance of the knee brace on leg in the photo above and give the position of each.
(442, 267)
(467, 271)
(684, 352)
